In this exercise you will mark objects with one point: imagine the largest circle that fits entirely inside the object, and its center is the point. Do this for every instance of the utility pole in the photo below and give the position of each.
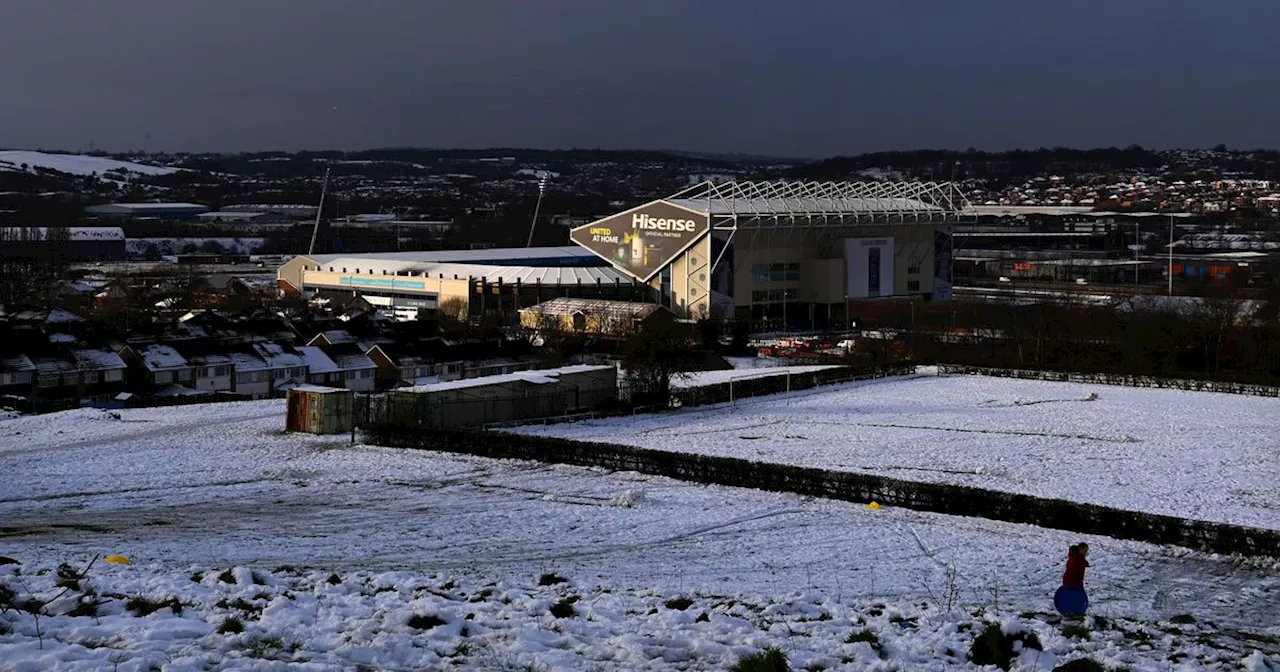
(1136, 245)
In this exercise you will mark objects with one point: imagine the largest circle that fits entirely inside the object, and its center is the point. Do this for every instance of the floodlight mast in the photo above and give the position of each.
(319, 209)
(542, 190)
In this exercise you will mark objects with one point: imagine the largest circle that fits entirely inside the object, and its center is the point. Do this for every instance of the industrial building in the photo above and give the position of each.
(800, 253)
(168, 211)
(477, 281)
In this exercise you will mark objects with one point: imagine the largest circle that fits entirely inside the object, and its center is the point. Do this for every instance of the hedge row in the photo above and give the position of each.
(941, 498)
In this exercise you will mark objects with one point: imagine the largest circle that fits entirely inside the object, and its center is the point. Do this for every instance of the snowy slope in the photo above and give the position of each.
(1193, 454)
(75, 164)
(211, 487)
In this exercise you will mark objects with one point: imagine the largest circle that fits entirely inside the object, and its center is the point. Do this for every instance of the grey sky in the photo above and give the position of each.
(796, 78)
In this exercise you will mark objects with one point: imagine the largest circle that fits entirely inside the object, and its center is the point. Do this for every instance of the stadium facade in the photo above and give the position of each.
(795, 253)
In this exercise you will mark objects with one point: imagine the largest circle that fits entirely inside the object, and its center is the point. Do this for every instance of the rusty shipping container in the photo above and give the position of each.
(319, 410)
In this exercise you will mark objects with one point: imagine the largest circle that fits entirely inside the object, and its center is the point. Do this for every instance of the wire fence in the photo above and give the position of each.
(1124, 380)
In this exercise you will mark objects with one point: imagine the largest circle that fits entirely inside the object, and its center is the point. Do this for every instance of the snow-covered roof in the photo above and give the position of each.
(535, 376)
(158, 356)
(351, 361)
(317, 360)
(278, 356)
(320, 389)
(155, 206)
(336, 336)
(97, 359)
(15, 363)
(59, 316)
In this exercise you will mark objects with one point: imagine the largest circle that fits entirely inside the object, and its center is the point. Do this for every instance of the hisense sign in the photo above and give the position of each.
(642, 240)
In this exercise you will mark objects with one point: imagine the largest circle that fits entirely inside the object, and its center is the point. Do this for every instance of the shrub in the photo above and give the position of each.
(1075, 630)
(142, 606)
(563, 609)
(768, 660)
(551, 579)
(197, 577)
(68, 577)
(425, 621)
(230, 625)
(865, 635)
(334, 579)
(1183, 619)
(227, 576)
(679, 603)
(994, 647)
(87, 607)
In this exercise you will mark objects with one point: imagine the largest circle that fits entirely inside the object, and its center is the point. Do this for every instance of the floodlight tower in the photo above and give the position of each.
(542, 190)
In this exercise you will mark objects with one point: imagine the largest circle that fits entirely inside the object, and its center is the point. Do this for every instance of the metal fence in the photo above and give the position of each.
(433, 411)
(755, 385)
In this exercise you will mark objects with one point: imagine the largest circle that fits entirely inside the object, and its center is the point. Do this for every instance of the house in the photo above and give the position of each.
(264, 370)
(84, 374)
(357, 371)
(320, 369)
(400, 365)
(17, 375)
(211, 366)
(157, 365)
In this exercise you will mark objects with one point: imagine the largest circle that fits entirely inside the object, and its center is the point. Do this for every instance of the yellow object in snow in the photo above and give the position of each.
(116, 559)
(873, 505)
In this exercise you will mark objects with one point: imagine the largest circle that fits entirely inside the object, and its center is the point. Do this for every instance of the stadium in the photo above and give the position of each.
(794, 254)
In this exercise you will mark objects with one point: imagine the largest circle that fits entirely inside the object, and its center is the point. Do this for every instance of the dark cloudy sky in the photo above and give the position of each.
(780, 77)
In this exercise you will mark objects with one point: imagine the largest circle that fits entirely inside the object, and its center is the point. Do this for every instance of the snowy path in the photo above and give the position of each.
(1189, 454)
(218, 493)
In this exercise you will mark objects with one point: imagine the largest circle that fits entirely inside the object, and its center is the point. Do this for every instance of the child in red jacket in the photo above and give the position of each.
(1071, 600)
(1077, 560)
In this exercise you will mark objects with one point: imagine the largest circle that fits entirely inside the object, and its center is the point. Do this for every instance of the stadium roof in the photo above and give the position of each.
(528, 275)
(492, 256)
(771, 203)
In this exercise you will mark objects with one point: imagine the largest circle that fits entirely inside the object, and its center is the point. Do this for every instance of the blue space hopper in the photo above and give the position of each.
(1071, 601)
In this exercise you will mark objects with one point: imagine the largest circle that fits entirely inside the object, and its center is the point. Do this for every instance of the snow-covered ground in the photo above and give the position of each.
(75, 164)
(1194, 454)
(699, 378)
(197, 490)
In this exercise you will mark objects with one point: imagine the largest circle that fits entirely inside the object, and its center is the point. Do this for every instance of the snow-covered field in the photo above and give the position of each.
(188, 493)
(1194, 454)
(75, 164)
